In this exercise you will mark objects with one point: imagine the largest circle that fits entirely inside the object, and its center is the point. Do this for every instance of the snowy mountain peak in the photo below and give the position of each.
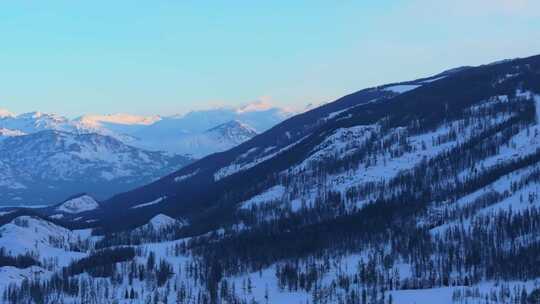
(42, 115)
(39, 238)
(118, 118)
(233, 125)
(233, 131)
(78, 204)
(9, 133)
(34, 122)
(216, 139)
(257, 106)
(161, 221)
(5, 113)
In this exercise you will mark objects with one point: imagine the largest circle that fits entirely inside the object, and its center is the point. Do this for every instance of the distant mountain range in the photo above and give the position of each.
(47, 157)
(50, 165)
(180, 134)
(191, 133)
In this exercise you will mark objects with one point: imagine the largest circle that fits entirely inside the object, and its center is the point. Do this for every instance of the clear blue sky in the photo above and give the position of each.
(165, 57)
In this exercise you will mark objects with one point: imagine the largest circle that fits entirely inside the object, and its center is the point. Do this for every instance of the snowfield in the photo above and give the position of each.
(156, 201)
(240, 164)
(161, 221)
(78, 205)
(402, 88)
(42, 239)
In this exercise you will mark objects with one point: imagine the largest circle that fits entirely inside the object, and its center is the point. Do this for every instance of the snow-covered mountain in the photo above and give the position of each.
(197, 145)
(50, 165)
(4, 133)
(35, 121)
(119, 119)
(78, 204)
(5, 113)
(120, 126)
(192, 133)
(186, 134)
(258, 115)
(233, 131)
(115, 124)
(424, 191)
(37, 237)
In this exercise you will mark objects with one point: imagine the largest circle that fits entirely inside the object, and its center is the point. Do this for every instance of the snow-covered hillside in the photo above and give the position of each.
(217, 139)
(200, 133)
(41, 239)
(161, 221)
(50, 165)
(78, 204)
(5, 113)
(119, 126)
(10, 133)
(35, 121)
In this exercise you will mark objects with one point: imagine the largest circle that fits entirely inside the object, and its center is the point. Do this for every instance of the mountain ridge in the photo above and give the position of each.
(48, 165)
(142, 131)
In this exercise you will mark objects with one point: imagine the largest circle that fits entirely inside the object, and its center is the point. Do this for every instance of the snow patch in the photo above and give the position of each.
(156, 201)
(236, 167)
(10, 274)
(40, 238)
(5, 113)
(185, 176)
(161, 221)
(78, 205)
(119, 118)
(433, 79)
(401, 88)
(273, 194)
(10, 133)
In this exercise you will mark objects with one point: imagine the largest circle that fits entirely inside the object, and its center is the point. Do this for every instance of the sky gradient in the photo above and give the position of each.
(167, 57)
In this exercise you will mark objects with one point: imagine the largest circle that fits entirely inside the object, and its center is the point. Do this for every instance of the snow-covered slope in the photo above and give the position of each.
(118, 119)
(204, 132)
(35, 121)
(41, 239)
(51, 165)
(9, 133)
(160, 221)
(120, 126)
(233, 131)
(116, 125)
(5, 113)
(78, 204)
(217, 139)
(13, 275)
